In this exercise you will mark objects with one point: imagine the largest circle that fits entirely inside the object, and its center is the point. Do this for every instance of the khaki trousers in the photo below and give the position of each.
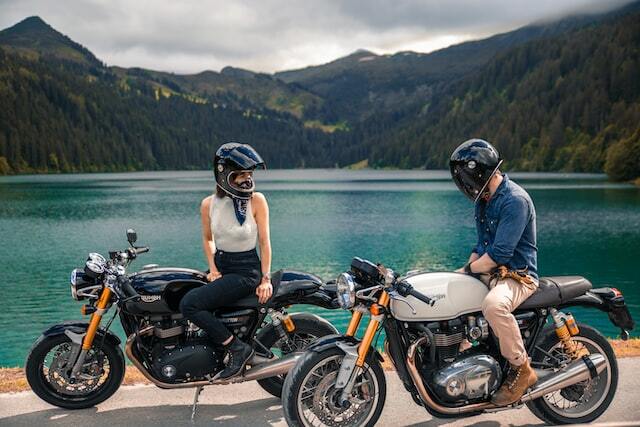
(506, 295)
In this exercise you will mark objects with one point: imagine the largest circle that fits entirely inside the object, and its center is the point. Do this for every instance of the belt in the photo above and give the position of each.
(520, 276)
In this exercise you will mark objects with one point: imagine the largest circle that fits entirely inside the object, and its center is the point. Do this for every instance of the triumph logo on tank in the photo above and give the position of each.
(149, 298)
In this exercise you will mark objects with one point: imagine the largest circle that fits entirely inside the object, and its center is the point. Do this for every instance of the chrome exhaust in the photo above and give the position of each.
(265, 369)
(575, 372)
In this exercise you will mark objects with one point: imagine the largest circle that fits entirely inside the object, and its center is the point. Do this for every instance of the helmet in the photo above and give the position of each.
(472, 165)
(231, 160)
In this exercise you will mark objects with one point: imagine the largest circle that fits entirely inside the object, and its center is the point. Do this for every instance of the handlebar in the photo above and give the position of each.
(405, 289)
(141, 250)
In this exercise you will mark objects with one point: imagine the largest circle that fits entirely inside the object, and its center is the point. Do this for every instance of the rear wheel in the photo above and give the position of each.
(47, 371)
(307, 331)
(582, 402)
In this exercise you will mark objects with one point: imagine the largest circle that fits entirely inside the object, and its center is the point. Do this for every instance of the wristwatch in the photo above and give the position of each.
(467, 268)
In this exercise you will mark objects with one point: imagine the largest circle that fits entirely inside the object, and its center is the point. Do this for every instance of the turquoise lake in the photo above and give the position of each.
(320, 219)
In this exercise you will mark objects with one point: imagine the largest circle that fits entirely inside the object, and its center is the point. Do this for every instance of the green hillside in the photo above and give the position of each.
(554, 104)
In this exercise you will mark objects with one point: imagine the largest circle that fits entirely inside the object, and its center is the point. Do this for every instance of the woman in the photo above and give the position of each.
(234, 220)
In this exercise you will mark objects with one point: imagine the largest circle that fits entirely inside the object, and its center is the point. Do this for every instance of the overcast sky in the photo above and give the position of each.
(187, 36)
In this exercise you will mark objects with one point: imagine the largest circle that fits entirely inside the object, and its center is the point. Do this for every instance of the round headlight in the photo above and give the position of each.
(346, 291)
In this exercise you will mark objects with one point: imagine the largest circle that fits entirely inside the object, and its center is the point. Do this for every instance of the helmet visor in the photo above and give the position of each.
(242, 181)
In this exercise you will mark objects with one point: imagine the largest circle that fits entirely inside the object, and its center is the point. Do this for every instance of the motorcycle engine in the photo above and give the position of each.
(194, 361)
(470, 378)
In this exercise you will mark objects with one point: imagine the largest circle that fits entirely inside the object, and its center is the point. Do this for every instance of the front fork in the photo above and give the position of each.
(353, 362)
(82, 342)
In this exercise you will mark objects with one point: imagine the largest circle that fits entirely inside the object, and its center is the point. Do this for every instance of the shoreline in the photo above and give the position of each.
(13, 380)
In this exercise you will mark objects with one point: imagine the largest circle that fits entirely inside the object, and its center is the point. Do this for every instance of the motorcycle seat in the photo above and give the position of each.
(285, 282)
(556, 290)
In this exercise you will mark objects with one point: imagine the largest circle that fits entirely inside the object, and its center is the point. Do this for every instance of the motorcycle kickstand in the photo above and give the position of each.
(195, 403)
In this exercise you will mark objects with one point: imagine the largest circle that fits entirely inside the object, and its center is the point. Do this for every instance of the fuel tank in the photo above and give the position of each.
(455, 294)
(162, 288)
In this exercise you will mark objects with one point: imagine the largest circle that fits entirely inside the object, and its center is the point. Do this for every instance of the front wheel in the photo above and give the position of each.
(47, 371)
(311, 399)
(582, 402)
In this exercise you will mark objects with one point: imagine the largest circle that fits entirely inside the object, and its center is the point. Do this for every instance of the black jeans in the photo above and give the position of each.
(240, 277)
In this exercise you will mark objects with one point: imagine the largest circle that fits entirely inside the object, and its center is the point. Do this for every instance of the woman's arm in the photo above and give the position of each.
(207, 239)
(261, 214)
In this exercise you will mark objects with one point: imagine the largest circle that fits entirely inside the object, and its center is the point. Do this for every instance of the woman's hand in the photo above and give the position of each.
(264, 291)
(213, 275)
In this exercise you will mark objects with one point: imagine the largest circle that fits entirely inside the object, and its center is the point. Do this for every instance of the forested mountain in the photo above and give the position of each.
(556, 96)
(554, 104)
(363, 83)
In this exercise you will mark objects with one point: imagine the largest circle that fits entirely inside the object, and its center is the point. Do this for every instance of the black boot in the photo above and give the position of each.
(239, 354)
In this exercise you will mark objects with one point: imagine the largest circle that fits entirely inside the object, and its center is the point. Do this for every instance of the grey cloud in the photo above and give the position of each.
(269, 35)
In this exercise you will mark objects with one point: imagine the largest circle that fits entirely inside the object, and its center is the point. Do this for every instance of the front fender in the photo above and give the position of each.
(79, 327)
(330, 341)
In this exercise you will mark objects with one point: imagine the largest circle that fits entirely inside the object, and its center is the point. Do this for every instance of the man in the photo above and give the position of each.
(505, 256)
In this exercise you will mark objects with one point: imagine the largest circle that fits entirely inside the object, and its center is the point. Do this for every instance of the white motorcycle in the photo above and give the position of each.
(446, 354)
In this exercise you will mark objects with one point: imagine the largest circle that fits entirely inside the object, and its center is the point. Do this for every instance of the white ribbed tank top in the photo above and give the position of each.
(228, 234)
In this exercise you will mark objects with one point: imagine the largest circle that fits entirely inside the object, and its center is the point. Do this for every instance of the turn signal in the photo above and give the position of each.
(288, 324)
(87, 310)
(377, 309)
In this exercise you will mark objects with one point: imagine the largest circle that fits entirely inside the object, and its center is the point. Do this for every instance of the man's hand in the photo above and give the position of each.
(213, 275)
(264, 291)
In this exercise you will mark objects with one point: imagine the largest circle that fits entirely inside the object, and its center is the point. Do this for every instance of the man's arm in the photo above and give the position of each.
(514, 217)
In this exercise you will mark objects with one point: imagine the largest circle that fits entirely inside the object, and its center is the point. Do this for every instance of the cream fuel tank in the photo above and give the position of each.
(454, 294)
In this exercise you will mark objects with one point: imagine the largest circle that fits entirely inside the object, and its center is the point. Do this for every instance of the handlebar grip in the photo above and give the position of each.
(425, 299)
(142, 250)
(128, 289)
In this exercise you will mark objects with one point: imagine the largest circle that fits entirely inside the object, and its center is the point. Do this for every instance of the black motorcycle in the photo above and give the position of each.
(79, 364)
(446, 354)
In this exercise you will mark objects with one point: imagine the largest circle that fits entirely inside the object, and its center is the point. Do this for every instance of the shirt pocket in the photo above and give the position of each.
(491, 225)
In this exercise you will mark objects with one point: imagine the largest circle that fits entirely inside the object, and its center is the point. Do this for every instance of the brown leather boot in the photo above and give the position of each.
(519, 379)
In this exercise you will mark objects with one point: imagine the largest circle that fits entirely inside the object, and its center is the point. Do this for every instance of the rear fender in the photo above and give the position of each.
(312, 317)
(609, 300)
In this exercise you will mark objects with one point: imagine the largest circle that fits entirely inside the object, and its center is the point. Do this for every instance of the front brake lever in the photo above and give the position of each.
(395, 296)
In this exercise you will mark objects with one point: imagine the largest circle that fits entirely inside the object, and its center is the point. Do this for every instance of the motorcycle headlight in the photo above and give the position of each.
(346, 291)
(83, 286)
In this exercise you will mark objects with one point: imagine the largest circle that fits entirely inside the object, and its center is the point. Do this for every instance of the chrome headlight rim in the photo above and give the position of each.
(346, 291)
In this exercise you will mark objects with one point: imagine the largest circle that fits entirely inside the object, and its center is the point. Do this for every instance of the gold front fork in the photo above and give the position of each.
(372, 327)
(354, 323)
(101, 307)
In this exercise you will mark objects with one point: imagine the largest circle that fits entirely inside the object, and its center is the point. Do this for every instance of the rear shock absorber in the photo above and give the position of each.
(565, 328)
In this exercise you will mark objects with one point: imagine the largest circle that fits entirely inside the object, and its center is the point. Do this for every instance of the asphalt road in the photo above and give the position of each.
(248, 405)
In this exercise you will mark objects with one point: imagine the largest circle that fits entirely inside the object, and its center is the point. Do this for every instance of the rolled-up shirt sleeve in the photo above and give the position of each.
(514, 217)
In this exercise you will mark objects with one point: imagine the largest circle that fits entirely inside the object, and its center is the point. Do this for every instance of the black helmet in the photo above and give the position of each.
(231, 160)
(472, 165)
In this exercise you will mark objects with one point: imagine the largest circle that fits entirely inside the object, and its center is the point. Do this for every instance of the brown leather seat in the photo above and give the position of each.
(556, 290)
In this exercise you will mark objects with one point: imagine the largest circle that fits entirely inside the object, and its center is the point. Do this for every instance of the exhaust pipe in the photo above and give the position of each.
(576, 371)
(265, 369)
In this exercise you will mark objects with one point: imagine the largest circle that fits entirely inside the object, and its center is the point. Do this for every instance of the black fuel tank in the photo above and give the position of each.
(162, 288)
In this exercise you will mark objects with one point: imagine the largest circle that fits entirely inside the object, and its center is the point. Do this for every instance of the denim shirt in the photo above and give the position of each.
(506, 226)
